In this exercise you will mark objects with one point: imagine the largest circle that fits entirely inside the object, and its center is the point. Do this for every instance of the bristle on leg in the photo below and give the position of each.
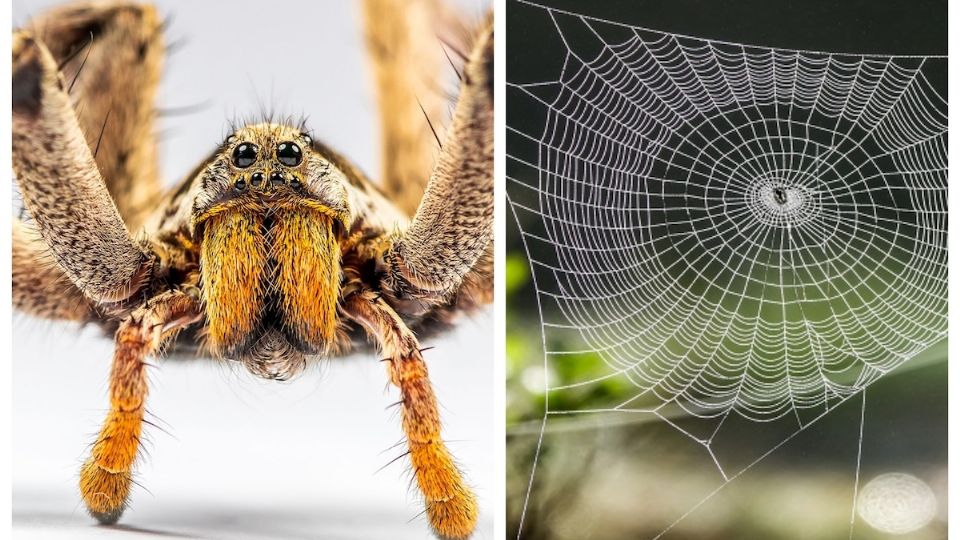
(451, 506)
(106, 476)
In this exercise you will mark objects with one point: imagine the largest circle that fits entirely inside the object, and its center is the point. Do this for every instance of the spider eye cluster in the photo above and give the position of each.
(259, 181)
(288, 153)
(246, 154)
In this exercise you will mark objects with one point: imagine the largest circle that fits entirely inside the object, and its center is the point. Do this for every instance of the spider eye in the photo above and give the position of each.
(244, 155)
(289, 154)
(276, 178)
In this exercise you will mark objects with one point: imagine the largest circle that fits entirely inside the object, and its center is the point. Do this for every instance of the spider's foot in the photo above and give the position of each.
(454, 518)
(104, 492)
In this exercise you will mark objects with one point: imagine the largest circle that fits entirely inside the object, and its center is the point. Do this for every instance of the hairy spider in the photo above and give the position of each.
(274, 250)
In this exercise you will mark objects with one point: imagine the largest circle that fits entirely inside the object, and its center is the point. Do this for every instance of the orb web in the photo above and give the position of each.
(731, 229)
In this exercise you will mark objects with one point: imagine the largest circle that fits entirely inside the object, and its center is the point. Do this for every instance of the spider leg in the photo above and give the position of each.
(61, 185)
(106, 476)
(405, 48)
(451, 506)
(453, 226)
(40, 287)
(111, 54)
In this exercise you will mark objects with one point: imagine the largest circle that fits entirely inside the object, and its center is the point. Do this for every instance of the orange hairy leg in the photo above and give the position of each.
(106, 476)
(233, 288)
(307, 274)
(450, 505)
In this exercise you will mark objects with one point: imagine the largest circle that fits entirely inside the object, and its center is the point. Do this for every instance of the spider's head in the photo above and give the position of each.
(272, 166)
(269, 213)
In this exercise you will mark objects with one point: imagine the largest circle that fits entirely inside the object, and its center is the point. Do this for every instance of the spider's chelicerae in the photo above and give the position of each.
(275, 249)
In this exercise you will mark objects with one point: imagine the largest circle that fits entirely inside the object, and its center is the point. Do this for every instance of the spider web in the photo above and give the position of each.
(737, 233)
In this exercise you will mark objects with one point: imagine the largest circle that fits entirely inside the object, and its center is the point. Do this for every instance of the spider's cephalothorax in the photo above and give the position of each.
(277, 209)
(275, 250)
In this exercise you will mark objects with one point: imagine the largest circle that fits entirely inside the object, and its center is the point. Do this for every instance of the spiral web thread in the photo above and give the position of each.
(730, 229)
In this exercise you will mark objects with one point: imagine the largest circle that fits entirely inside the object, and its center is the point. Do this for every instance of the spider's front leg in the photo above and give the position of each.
(39, 286)
(453, 226)
(106, 476)
(62, 186)
(450, 505)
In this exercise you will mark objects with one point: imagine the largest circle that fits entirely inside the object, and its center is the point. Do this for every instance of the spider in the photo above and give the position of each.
(274, 250)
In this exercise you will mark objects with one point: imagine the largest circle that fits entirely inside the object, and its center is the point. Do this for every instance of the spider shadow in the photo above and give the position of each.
(146, 531)
(278, 520)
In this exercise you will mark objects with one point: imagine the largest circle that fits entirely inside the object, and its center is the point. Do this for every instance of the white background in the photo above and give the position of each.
(244, 458)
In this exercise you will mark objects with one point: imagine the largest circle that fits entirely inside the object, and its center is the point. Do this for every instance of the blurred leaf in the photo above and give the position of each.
(517, 272)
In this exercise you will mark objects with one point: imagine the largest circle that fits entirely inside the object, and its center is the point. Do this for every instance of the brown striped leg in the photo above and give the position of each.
(61, 185)
(451, 506)
(453, 226)
(106, 476)
(40, 288)
(119, 45)
(406, 51)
